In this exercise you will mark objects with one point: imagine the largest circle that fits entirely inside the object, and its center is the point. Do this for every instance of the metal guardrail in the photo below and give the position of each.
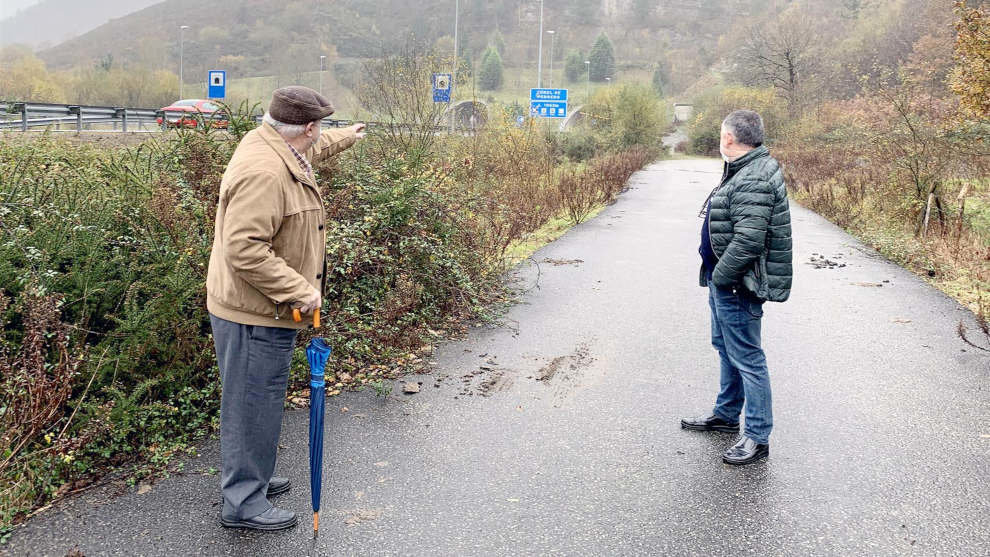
(78, 117)
(34, 115)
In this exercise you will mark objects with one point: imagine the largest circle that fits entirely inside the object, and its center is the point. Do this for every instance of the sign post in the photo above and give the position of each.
(548, 103)
(441, 87)
(217, 84)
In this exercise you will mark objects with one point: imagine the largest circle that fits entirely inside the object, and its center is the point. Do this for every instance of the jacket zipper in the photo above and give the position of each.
(276, 311)
(725, 172)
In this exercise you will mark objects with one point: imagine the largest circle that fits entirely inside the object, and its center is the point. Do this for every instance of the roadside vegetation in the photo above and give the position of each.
(893, 143)
(106, 361)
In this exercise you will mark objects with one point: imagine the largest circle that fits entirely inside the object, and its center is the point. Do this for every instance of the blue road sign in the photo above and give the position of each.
(217, 83)
(441, 87)
(548, 103)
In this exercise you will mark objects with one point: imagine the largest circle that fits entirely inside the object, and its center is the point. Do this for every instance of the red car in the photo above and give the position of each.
(188, 113)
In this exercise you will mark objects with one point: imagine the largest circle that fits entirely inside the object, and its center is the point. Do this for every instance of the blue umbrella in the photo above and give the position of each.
(317, 353)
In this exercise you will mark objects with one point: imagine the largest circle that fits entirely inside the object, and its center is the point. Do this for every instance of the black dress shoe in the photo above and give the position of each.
(710, 423)
(745, 451)
(278, 485)
(272, 519)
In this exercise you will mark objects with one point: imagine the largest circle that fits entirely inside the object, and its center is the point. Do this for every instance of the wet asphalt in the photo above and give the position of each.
(569, 443)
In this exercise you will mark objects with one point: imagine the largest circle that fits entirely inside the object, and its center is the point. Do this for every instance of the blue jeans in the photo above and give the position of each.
(745, 377)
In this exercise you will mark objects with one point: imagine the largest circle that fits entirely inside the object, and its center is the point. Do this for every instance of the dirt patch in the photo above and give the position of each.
(493, 378)
(547, 372)
(565, 373)
(498, 381)
(560, 262)
(362, 515)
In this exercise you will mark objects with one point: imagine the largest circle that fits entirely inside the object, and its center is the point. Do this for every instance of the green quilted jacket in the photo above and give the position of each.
(750, 228)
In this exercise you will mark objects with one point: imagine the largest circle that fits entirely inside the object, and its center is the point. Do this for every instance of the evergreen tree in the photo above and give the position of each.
(658, 81)
(602, 59)
(490, 74)
(498, 41)
(574, 66)
(661, 76)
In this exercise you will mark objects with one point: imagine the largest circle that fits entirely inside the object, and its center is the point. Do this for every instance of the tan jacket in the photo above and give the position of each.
(269, 244)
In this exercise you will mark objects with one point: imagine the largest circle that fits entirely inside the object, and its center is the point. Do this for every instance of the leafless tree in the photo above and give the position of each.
(779, 54)
(396, 89)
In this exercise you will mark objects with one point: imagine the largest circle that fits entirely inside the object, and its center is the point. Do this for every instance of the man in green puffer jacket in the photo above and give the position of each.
(746, 256)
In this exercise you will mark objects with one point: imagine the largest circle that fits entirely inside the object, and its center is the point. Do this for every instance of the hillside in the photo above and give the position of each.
(9, 8)
(273, 37)
(51, 22)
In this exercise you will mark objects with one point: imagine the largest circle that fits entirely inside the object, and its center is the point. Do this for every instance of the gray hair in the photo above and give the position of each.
(288, 131)
(746, 126)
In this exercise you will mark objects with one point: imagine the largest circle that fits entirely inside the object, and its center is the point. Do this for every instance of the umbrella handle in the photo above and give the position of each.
(297, 317)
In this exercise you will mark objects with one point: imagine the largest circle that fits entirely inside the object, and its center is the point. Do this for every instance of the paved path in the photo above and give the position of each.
(572, 445)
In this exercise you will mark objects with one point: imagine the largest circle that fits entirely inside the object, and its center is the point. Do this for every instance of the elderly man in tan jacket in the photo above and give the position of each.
(269, 257)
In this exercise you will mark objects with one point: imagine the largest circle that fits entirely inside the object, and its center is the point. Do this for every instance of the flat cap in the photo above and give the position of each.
(299, 105)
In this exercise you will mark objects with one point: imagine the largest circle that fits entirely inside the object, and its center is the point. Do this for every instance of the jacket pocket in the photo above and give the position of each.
(752, 306)
(299, 232)
(295, 210)
(762, 280)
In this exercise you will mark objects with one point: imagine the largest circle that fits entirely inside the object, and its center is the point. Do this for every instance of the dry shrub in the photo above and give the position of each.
(36, 384)
(38, 379)
(511, 172)
(576, 195)
(601, 181)
(896, 170)
(392, 91)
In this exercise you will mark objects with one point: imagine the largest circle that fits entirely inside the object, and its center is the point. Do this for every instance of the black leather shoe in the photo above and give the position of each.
(710, 423)
(272, 519)
(745, 451)
(278, 485)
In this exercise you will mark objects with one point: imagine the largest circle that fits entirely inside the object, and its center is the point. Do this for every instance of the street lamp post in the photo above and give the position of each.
(453, 77)
(323, 60)
(182, 30)
(588, 94)
(551, 32)
(539, 63)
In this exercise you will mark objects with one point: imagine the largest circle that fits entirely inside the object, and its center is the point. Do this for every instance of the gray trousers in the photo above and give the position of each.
(254, 368)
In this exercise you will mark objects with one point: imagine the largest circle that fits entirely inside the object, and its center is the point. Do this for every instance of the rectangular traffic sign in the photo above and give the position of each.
(548, 103)
(217, 84)
(547, 94)
(441, 87)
